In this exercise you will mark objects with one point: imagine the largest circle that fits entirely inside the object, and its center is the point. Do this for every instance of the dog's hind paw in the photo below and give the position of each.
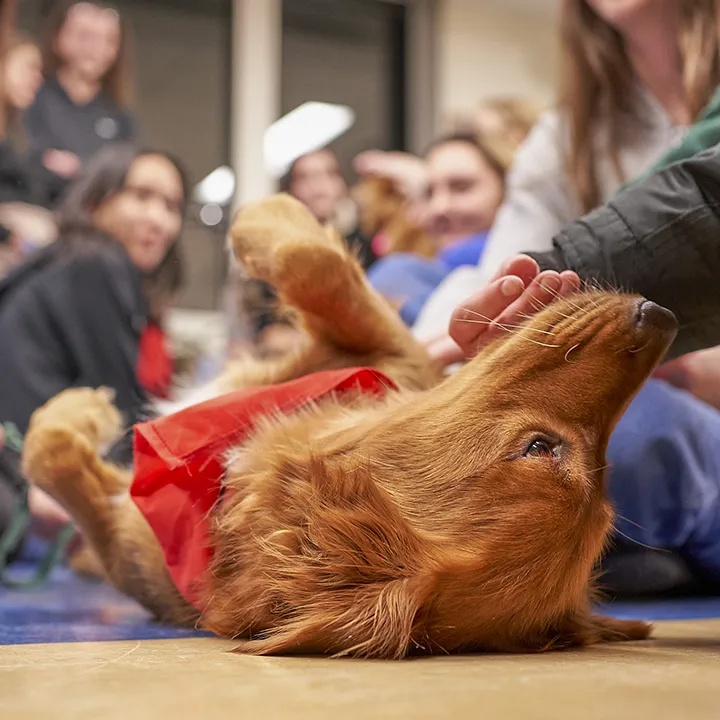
(261, 229)
(613, 630)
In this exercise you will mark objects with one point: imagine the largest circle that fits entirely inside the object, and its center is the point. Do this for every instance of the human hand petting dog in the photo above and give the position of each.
(518, 289)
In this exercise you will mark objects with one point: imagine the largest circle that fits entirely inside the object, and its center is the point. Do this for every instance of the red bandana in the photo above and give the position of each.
(179, 461)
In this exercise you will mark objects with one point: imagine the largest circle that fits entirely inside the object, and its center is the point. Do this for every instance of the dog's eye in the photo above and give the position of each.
(540, 447)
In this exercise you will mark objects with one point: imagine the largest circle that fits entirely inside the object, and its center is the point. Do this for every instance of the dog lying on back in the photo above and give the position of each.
(457, 514)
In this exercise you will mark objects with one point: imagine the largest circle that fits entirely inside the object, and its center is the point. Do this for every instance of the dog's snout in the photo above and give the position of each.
(650, 314)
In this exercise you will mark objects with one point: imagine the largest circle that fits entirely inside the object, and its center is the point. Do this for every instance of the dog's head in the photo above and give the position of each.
(500, 472)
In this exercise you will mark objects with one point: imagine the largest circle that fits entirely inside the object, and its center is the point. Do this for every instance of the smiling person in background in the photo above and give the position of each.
(84, 103)
(464, 178)
(84, 310)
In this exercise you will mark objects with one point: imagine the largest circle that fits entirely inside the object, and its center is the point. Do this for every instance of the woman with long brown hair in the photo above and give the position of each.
(86, 100)
(88, 309)
(635, 75)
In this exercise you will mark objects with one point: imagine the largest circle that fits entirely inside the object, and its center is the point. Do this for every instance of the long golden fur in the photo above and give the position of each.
(461, 514)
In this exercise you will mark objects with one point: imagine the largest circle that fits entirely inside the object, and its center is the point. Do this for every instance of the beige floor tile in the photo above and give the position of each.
(676, 676)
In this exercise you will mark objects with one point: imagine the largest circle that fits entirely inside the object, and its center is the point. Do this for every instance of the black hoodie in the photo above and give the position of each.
(72, 315)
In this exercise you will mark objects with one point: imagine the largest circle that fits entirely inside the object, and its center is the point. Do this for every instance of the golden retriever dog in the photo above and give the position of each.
(456, 514)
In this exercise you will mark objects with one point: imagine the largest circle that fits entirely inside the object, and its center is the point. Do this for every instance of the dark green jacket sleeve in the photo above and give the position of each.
(661, 239)
(703, 135)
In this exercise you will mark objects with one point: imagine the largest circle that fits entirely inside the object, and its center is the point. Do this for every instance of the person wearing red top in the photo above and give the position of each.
(88, 309)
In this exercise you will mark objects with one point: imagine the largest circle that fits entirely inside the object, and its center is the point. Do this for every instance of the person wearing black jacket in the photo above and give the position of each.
(661, 239)
(74, 313)
(85, 101)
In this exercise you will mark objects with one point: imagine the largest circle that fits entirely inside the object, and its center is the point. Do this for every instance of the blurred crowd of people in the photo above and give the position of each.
(89, 224)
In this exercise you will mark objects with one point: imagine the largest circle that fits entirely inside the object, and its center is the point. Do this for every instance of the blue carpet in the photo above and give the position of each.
(69, 609)
(692, 608)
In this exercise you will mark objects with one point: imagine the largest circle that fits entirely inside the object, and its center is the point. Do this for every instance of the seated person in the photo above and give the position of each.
(465, 186)
(76, 313)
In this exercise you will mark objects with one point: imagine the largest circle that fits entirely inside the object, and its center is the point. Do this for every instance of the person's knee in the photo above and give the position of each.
(663, 464)
(661, 417)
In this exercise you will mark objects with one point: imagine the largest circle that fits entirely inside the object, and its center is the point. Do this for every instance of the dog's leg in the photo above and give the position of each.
(279, 241)
(613, 630)
(62, 459)
(589, 629)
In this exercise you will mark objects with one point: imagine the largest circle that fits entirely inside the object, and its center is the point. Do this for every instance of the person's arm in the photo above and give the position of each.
(536, 207)
(660, 239)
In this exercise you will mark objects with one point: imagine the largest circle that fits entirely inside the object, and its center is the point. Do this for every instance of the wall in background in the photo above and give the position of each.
(182, 51)
(495, 47)
(347, 53)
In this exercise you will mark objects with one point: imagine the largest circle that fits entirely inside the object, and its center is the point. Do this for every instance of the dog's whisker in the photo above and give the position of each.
(574, 347)
(556, 294)
(631, 522)
(600, 469)
(504, 326)
(641, 544)
(640, 349)
(537, 304)
(516, 333)
(537, 342)
(542, 306)
(633, 349)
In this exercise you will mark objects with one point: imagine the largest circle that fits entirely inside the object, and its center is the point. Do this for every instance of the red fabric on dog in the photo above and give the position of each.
(179, 461)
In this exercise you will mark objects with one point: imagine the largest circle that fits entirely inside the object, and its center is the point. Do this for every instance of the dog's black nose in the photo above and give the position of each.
(654, 315)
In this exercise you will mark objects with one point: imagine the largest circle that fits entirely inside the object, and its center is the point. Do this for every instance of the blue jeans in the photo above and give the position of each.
(665, 475)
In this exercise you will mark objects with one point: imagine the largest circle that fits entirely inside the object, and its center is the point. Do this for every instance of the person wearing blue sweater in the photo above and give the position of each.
(465, 185)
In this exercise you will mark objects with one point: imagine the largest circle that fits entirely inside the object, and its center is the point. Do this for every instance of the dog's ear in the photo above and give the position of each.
(380, 621)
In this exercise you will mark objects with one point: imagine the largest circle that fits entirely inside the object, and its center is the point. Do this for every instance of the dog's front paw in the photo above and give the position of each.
(54, 455)
(87, 412)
